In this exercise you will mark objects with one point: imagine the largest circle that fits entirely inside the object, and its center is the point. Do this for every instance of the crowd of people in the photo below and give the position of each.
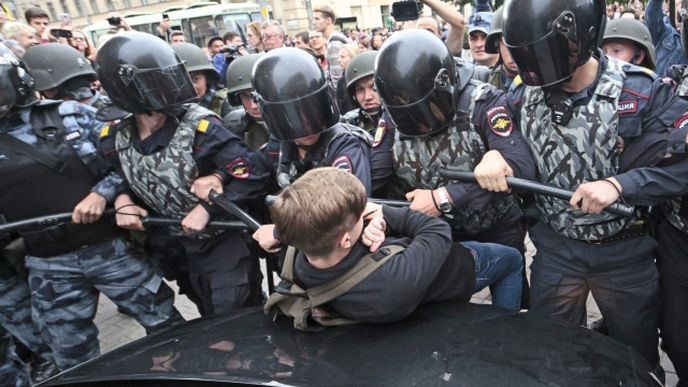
(579, 95)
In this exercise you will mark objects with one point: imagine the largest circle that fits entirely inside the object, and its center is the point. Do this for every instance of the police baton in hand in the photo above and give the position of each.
(387, 202)
(55, 219)
(620, 209)
(252, 224)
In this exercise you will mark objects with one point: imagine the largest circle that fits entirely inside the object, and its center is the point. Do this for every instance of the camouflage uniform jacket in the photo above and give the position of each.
(162, 167)
(607, 135)
(483, 124)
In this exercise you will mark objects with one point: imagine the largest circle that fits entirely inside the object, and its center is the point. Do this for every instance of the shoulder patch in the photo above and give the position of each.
(105, 131)
(518, 80)
(681, 121)
(343, 162)
(238, 168)
(203, 125)
(379, 133)
(500, 121)
(626, 107)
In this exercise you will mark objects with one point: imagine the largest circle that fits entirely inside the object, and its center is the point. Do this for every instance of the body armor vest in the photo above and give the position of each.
(291, 167)
(52, 131)
(584, 150)
(417, 160)
(673, 209)
(162, 179)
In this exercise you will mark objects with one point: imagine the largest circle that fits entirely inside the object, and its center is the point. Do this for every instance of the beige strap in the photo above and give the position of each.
(326, 292)
(288, 267)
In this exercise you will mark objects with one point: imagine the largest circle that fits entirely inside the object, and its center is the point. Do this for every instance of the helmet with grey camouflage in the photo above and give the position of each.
(294, 95)
(141, 73)
(549, 40)
(361, 66)
(495, 36)
(16, 85)
(196, 60)
(635, 31)
(416, 78)
(239, 76)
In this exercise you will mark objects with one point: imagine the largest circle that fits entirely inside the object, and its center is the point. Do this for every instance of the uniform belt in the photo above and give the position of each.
(633, 231)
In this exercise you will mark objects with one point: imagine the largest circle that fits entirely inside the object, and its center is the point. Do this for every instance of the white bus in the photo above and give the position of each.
(198, 23)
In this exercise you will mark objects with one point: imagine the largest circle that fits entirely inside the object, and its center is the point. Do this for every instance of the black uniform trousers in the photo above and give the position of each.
(672, 263)
(621, 275)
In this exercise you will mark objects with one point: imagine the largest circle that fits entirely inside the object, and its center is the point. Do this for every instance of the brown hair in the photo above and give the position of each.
(35, 13)
(326, 11)
(317, 209)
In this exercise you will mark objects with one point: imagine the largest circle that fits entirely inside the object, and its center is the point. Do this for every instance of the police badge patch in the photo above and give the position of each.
(627, 107)
(681, 121)
(500, 121)
(238, 169)
(343, 162)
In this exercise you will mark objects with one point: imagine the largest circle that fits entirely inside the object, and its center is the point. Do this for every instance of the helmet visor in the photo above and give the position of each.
(164, 87)
(549, 60)
(431, 113)
(301, 117)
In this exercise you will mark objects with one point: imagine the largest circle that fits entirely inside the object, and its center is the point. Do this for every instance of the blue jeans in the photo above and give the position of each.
(498, 267)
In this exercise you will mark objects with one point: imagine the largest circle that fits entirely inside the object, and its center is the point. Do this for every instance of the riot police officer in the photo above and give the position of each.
(49, 146)
(298, 105)
(629, 40)
(582, 114)
(504, 72)
(204, 77)
(61, 72)
(442, 120)
(162, 149)
(247, 121)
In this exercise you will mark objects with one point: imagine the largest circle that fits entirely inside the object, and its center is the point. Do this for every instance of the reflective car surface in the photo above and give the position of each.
(441, 344)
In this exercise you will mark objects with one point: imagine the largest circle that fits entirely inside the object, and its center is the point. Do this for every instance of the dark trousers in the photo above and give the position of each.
(223, 273)
(672, 264)
(621, 276)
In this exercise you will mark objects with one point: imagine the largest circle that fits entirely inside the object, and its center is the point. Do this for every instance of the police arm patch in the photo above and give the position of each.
(500, 121)
(681, 121)
(343, 162)
(238, 168)
(630, 106)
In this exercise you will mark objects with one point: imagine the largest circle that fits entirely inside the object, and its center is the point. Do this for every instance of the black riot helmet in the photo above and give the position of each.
(549, 39)
(16, 85)
(141, 73)
(416, 79)
(239, 76)
(295, 98)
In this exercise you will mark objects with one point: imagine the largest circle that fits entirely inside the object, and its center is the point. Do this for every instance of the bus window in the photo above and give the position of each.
(202, 29)
(233, 22)
(147, 28)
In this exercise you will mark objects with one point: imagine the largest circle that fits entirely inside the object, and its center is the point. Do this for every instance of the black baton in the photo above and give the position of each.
(620, 209)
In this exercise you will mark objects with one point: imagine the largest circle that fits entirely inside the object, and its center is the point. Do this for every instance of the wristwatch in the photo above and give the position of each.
(445, 206)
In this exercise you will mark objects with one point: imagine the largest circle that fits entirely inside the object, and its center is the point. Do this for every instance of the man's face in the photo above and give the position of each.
(300, 43)
(366, 96)
(165, 23)
(200, 83)
(427, 23)
(477, 44)
(320, 22)
(40, 24)
(316, 40)
(216, 46)
(250, 105)
(236, 41)
(507, 59)
(271, 39)
(621, 49)
(177, 39)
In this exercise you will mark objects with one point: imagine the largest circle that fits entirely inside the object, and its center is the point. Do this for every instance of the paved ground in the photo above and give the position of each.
(117, 329)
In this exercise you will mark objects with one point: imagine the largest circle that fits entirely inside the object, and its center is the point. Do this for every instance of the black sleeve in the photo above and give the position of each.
(218, 150)
(397, 287)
